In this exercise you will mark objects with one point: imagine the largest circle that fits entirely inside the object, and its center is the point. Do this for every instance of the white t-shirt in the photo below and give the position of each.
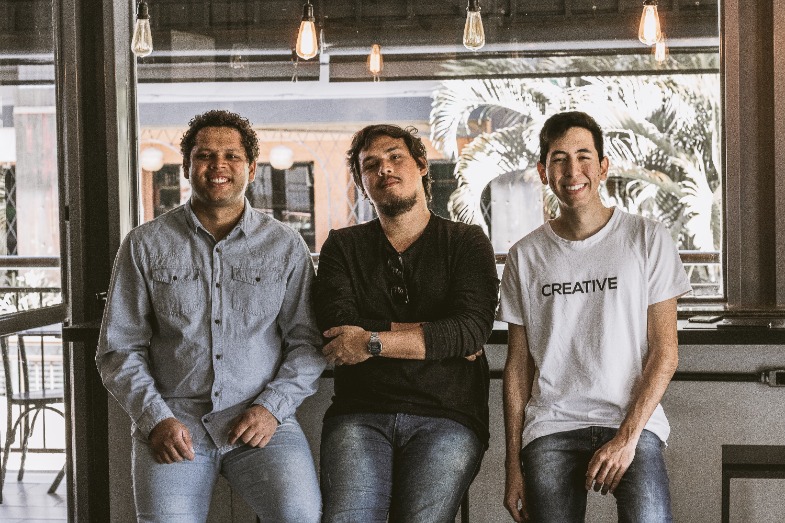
(584, 306)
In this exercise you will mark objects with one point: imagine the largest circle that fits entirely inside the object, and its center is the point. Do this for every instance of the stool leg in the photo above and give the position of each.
(28, 427)
(58, 479)
(725, 496)
(9, 438)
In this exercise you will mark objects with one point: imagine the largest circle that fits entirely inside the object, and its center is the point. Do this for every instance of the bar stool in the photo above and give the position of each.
(749, 461)
(31, 404)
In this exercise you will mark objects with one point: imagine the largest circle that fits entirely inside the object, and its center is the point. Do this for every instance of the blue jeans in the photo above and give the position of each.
(414, 468)
(555, 470)
(277, 481)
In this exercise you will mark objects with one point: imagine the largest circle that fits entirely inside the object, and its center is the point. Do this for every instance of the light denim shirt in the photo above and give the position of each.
(201, 330)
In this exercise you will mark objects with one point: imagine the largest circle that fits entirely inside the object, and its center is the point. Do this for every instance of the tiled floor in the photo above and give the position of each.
(28, 501)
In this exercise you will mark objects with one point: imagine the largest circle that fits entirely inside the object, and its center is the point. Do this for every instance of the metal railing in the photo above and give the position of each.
(16, 297)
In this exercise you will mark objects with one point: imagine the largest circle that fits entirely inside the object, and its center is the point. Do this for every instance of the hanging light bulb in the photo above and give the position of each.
(649, 31)
(660, 50)
(142, 42)
(375, 61)
(307, 43)
(473, 33)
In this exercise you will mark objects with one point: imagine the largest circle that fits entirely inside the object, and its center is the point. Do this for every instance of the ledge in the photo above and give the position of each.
(696, 334)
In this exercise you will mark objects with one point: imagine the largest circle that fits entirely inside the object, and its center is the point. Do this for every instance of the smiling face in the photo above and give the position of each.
(391, 177)
(574, 170)
(219, 170)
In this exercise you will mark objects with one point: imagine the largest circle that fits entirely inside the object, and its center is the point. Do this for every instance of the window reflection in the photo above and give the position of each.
(477, 112)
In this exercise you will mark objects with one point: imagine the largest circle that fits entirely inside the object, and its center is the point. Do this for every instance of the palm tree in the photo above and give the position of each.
(662, 135)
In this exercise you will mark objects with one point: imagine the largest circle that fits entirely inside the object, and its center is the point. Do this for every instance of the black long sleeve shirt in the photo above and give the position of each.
(451, 281)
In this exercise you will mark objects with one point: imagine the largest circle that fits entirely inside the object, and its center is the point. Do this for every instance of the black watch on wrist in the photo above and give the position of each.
(374, 345)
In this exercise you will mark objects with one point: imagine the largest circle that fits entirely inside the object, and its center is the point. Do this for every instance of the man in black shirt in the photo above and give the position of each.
(407, 302)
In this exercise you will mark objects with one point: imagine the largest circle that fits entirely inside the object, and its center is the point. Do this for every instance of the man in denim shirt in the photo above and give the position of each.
(209, 342)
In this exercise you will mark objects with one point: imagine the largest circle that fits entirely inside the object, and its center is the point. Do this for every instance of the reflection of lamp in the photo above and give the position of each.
(660, 50)
(142, 42)
(281, 157)
(649, 31)
(307, 44)
(239, 56)
(151, 159)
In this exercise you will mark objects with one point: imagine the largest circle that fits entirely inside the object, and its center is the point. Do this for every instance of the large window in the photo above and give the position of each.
(31, 296)
(662, 130)
(479, 113)
(29, 198)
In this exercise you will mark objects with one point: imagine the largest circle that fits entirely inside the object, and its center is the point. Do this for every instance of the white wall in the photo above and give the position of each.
(703, 415)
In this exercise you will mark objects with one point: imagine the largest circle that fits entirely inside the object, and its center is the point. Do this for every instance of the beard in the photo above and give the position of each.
(396, 206)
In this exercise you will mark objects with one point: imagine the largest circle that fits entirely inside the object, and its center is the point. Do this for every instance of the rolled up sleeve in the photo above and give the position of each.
(473, 297)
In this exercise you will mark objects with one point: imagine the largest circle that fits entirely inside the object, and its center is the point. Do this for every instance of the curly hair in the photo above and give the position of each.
(362, 140)
(219, 118)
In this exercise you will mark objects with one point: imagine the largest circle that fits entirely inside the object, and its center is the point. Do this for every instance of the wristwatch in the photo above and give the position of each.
(374, 345)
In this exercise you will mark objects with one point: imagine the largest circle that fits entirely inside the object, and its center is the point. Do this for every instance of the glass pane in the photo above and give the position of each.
(29, 201)
(662, 136)
(478, 112)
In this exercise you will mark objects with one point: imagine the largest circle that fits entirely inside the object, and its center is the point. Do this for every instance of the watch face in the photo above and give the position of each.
(375, 347)
(374, 344)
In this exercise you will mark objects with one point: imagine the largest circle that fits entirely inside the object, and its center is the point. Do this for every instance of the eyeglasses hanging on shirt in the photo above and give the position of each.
(398, 290)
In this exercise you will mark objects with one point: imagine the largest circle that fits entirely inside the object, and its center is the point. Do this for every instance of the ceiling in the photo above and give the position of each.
(213, 27)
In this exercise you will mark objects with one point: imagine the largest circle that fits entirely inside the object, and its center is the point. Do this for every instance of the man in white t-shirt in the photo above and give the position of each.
(590, 298)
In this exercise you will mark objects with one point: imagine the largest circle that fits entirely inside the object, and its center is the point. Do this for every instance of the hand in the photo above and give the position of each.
(171, 442)
(472, 357)
(255, 427)
(515, 495)
(348, 346)
(609, 464)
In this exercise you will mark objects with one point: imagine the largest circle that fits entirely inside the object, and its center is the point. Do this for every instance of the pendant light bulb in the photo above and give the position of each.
(473, 32)
(375, 61)
(307, 42)
(142, 41)
(649, 31)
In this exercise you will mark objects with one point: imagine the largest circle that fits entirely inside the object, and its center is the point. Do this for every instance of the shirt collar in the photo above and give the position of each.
(247, 221)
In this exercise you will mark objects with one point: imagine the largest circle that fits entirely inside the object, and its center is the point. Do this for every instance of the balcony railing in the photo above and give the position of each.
(25, 284)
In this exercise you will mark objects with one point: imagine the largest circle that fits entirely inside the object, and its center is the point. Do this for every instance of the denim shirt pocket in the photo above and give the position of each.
(256, 290)
(176, 290)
